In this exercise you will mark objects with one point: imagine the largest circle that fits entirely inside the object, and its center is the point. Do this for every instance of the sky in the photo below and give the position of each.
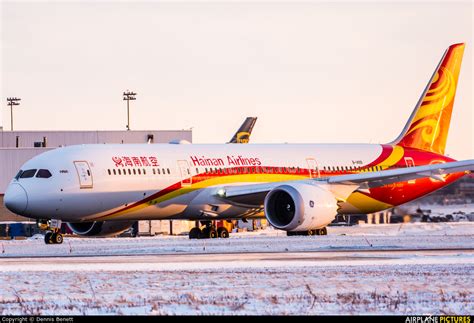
(310, 71)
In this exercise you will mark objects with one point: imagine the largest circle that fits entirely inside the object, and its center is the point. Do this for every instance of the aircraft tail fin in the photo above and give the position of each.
(242, 136)
(428, 126)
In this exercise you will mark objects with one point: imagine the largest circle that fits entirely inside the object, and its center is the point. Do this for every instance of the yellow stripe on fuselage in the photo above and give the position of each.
(225, 179)
(393, 158)
(366, 204)
(360, 203)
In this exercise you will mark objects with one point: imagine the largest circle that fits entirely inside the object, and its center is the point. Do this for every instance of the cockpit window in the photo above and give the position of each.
(17, 176)
(28, 173)
(44, 173)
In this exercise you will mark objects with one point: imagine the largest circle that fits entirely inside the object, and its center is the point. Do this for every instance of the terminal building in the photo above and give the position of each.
(16, 147)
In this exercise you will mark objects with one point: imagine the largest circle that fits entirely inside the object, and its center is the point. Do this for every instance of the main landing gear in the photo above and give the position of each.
(208, 232)
(53, 234)
(317, 232)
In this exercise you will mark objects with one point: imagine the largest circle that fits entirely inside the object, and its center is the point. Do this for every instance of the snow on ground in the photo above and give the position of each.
(381, 236)
(239, 276)
(399, 289)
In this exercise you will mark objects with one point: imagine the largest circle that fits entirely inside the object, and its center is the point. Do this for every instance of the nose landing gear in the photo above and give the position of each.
(54, 235)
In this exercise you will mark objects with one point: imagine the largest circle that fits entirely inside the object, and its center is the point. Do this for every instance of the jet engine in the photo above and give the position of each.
(100, 228)
(300, 207)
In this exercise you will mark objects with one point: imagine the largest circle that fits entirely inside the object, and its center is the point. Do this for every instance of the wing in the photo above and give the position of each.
(253, 195)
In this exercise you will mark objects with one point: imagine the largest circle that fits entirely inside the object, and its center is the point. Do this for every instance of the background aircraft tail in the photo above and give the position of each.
(428, 126)
(242, 136)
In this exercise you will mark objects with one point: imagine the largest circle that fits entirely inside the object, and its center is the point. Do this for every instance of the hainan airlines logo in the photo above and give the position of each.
(135, 161)
(229, 161)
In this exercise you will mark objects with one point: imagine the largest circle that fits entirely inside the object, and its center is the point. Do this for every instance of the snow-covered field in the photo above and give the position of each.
(353, 270)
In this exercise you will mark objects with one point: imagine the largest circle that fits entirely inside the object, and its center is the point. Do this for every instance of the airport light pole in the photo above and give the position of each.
(11, 103)
(127, 96)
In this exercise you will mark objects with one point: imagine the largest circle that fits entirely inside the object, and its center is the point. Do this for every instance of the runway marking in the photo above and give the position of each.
(237, 260)
(181, 253)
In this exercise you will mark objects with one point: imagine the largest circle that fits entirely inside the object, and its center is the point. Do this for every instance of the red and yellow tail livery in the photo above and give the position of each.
(427, 129)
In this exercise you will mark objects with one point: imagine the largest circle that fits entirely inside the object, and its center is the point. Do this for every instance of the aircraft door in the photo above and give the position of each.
(313, 168)
(185, 172)
(410, 163)
(84, 173)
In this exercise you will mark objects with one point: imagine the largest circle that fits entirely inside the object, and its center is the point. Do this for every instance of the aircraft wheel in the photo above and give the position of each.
(311, 232)
(194, 233)
(223, 233)
(323, 231)
(57, 238)
(47, 237)
(204, 234)
(212, 233)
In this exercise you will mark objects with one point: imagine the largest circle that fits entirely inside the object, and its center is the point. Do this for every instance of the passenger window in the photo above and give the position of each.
(168, 171)
(129, 172)
(154, 172)
(158, 171)
(197, 171)
(119, 171)
(139, 171)
(43, 173)
(163, 171)
(108, 170)
(144, 171)
(134, 171)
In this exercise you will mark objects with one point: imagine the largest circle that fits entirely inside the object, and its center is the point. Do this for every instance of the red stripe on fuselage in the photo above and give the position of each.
(394, 194)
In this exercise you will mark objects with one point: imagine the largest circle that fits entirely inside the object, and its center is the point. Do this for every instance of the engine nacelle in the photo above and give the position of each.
(300, 207)
(100, 228)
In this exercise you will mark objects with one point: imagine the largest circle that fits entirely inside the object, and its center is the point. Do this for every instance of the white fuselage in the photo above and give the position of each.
(159, 181)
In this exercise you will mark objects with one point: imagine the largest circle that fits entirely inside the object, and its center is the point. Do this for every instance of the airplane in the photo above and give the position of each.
(99, 190)
(242, 136)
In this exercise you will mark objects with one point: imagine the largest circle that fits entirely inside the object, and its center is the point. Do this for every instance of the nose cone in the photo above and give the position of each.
(15, 199)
